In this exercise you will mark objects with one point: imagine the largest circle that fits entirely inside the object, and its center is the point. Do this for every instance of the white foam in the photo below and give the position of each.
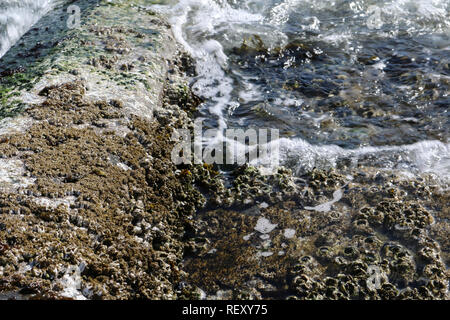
(54, 203)
(264, 254)
(263, 225)
(264, 205)
(14, 125)
(17, 17)
(289, 233)
(279, 14)
(425, 157)
(207, 28)
(195, 23)
(247, 237)
(12, 175)
(264, 237)
(325, 207)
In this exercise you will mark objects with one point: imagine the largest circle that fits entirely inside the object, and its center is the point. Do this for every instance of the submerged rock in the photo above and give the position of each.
(374, 242)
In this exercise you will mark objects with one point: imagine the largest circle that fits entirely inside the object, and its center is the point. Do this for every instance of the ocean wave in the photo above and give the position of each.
(210, 29)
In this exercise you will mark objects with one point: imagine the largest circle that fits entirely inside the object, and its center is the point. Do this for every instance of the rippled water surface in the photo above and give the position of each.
(361, 80)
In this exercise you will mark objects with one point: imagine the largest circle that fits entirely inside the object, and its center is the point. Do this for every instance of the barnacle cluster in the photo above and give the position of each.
(374, 243)
(124, 209)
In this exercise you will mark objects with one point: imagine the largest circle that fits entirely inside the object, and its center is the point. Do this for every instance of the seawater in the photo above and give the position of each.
(358, 82)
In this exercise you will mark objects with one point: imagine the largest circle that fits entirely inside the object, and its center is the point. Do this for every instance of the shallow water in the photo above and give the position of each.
(362, 81)
(346, 82)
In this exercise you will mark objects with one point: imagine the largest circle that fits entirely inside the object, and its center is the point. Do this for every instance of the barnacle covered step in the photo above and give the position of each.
(91, 205)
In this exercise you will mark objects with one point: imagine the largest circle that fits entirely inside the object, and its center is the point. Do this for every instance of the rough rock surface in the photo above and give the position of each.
(91, 205)
(324, 235)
